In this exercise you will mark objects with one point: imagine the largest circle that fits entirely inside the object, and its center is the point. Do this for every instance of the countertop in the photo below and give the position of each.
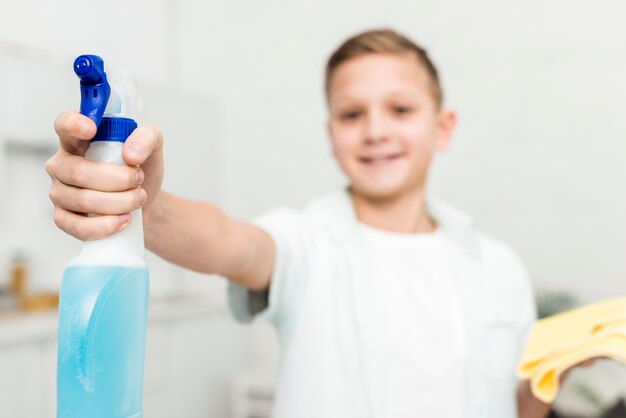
(21, 327)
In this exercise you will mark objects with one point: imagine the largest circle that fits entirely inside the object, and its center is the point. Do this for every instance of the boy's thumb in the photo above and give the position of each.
(141, 143)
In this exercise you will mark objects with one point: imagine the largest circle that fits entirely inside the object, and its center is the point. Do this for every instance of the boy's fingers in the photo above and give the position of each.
(141, 144)
(89, 228)
(91, 201)
(73, 130)
(76, 171)
(588, 363)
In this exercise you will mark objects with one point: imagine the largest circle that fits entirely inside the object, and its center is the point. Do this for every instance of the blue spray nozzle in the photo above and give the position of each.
(94, 87)
(90, 69)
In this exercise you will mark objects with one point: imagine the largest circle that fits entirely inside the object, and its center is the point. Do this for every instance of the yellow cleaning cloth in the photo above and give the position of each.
(564, 340)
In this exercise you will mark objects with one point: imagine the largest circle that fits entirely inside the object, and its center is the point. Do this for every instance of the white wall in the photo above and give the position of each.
(140, 35)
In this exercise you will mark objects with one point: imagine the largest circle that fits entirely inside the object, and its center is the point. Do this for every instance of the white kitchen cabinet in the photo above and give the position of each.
(193, 350)
(20, 379)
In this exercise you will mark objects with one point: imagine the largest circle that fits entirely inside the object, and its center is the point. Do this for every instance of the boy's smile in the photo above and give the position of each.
(385, 124)
(380, 158)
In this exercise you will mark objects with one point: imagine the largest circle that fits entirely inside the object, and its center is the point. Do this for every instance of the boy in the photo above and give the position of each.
(387, 304)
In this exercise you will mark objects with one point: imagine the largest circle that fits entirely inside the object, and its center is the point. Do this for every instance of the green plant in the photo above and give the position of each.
(553, 302)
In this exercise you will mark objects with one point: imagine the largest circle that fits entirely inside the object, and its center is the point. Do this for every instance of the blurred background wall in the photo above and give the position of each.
(236, 87)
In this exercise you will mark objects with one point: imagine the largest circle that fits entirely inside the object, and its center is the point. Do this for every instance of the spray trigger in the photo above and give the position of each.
(94, 87)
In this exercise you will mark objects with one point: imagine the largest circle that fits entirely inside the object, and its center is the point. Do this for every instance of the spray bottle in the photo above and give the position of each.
(104, 293)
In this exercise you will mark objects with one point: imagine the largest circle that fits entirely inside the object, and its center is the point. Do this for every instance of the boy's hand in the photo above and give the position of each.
(530, 407)
(80, 186)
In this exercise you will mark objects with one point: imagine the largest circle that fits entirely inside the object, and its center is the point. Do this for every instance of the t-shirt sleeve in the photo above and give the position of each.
(289, 274)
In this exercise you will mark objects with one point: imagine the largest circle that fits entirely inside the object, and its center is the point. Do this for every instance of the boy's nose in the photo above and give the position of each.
(376, 128)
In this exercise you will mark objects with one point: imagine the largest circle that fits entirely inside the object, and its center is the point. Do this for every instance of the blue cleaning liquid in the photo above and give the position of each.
(102, 323)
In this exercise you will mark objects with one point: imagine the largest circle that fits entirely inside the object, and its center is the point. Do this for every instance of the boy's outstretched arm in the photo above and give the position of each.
(194, 235)
(201, 237)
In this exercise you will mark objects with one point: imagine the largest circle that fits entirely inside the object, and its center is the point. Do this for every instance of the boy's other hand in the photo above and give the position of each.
(80, 186)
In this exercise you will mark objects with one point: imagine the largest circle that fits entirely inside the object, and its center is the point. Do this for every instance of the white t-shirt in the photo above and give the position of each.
(375, 324)
(423, 324)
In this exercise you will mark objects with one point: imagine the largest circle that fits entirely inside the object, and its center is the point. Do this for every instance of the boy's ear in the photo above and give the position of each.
(329, 133)
(445, 127)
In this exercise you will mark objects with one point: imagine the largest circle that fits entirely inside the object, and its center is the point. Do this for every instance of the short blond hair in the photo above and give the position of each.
(383, 41)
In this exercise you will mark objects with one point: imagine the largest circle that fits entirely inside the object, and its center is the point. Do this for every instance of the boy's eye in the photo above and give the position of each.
(353, 115)
(401, 110)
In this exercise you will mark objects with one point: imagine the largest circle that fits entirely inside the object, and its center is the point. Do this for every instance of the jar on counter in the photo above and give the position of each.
(18, 277)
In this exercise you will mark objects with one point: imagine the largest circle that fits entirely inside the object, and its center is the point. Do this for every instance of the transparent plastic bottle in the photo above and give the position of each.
(104, 293)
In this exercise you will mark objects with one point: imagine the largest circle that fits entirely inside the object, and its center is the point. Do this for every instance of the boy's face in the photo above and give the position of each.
(385, 124)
